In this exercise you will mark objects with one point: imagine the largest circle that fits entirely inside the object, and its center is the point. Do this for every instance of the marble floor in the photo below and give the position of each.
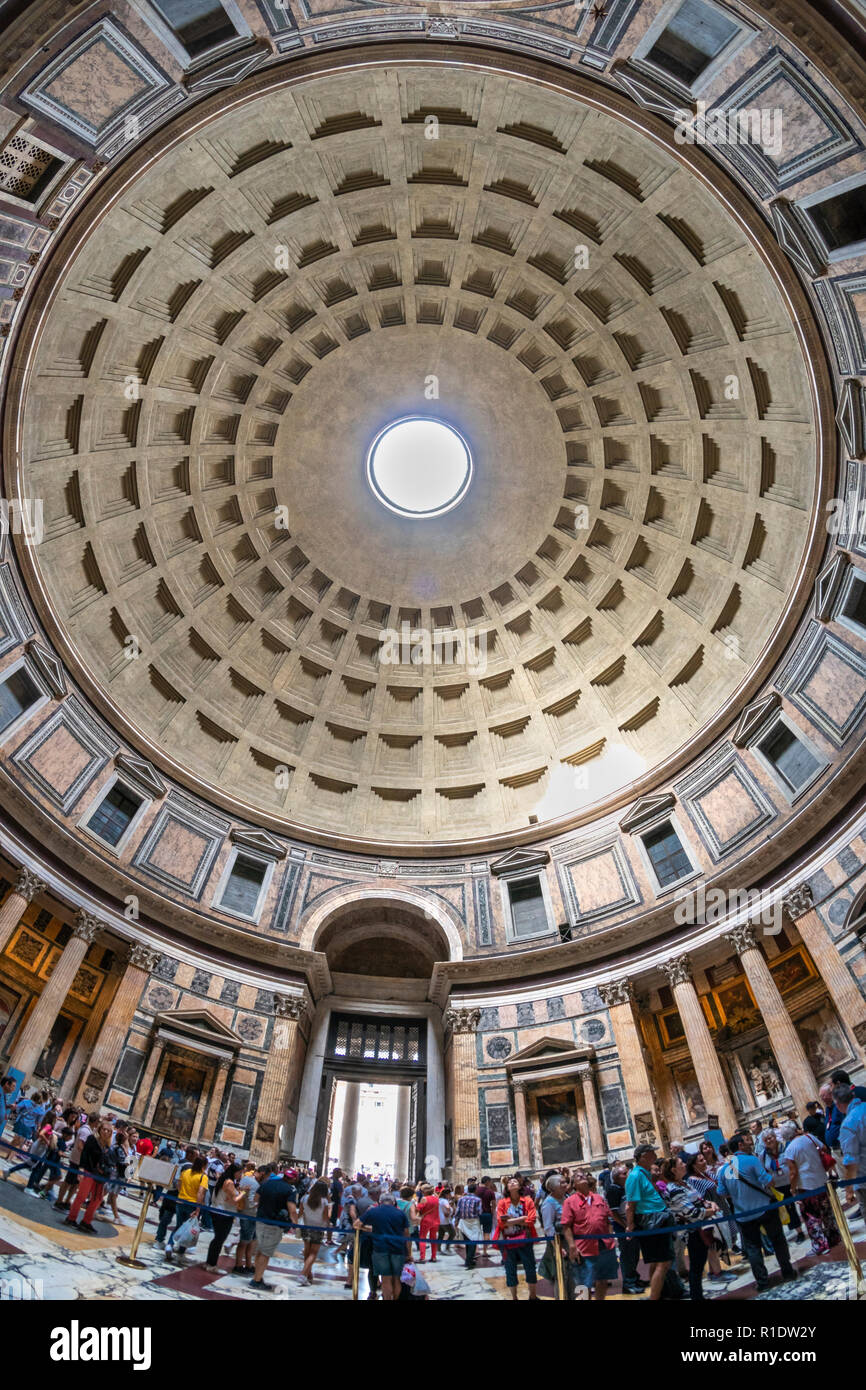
(42, 1258)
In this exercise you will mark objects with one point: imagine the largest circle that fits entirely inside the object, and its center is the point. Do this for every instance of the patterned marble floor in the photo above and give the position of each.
(40, 1257)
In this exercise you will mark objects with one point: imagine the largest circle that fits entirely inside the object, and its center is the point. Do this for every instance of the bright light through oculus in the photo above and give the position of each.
(419, 467)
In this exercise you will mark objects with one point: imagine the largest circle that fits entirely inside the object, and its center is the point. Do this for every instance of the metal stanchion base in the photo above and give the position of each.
(130, 1263)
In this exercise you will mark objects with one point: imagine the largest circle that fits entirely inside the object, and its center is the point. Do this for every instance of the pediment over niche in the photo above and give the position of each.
(544, 1048)
(199, 1024)
(260, 840)
(646, 810)
(753, 718)
(520, 861)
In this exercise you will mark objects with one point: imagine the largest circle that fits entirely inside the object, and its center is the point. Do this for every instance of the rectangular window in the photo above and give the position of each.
(114, 814)
(241, 893)
(695, 35)
(528, 910)
(854, 607)
(666, 854)
(792, 760)
(199, 24)
(841, 218)
(18, 694)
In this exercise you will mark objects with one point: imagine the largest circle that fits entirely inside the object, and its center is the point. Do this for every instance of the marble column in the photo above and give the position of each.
(140, 962)
(283, 1058)
(462, 1025)
(841, 985)
(37, 1029)
(401, 1148)
(349, 1127)
(618, 998)
(216, 1100)
(705, 1059)
(142, 1108)
(524, 1153)
(27, 887)
(789, 1052)
(590, 1106)
(660, 1074)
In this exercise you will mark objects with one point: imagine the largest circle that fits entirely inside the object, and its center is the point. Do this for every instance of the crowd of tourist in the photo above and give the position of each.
(682, 1214)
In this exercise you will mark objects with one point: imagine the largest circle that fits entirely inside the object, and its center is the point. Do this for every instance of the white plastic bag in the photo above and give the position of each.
(187, 1237)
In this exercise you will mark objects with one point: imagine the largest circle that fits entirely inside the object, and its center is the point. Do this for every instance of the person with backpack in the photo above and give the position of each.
(746, 1183)
(646, 1208)
(809, 1162)
(96, 1168)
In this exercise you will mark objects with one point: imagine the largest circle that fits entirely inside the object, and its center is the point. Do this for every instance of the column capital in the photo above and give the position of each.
(142, 957)
(519, 1085)
(462, 1020)
(799, 901)
(742, 938)
(678, 970)
(616, 992)
(223, 1063)
(290, 1006)
(28, 885)
(87, 925)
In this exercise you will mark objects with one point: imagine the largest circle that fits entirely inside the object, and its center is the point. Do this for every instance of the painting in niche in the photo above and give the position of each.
(559, 1129)
(737, 1008)
(9, 999)
(789, 973)
(691, 1099)
(178, 1101)
(762, 1074)
(823, 1040)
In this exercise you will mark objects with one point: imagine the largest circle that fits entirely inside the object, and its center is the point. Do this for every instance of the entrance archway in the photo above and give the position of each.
(378, 1026)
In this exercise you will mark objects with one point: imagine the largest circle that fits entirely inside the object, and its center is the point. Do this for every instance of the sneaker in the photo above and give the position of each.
(69, 1222)
(88, 1229)
(262, 1287)
(31, 1192)
(160, 1244)
(790, 1275)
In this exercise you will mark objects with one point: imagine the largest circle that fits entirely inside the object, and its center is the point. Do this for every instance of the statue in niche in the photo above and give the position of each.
(766, 1082)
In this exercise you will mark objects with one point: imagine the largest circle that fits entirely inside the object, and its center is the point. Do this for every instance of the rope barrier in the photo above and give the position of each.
(679, 1228)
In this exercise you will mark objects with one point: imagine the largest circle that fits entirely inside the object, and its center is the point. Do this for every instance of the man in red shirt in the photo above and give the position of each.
(585, 1213)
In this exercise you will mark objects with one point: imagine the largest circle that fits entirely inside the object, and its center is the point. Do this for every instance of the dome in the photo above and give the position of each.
(575, 297)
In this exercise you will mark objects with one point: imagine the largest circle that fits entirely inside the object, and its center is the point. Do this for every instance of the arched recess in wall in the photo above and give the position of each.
(352, 914)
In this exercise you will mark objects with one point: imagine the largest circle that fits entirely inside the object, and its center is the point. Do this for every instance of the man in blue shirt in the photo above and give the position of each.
(852, 1137)
(835, 1116)
(746, 1183)
(390, 1235)
(643, 1203)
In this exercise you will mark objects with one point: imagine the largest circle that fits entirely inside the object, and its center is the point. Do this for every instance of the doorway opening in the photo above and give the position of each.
(370, 1129)
(373, 1097)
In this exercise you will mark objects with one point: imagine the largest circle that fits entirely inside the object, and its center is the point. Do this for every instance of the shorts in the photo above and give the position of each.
(655, 1249)
(268, 1237)
(593, 1268)
(22, 1130)
(247, 1229)
(313, 1236)
(388, 1263)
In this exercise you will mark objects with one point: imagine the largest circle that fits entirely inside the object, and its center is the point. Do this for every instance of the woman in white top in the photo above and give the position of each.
(803, 1157)
(223, 1209)
(315, 1213)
